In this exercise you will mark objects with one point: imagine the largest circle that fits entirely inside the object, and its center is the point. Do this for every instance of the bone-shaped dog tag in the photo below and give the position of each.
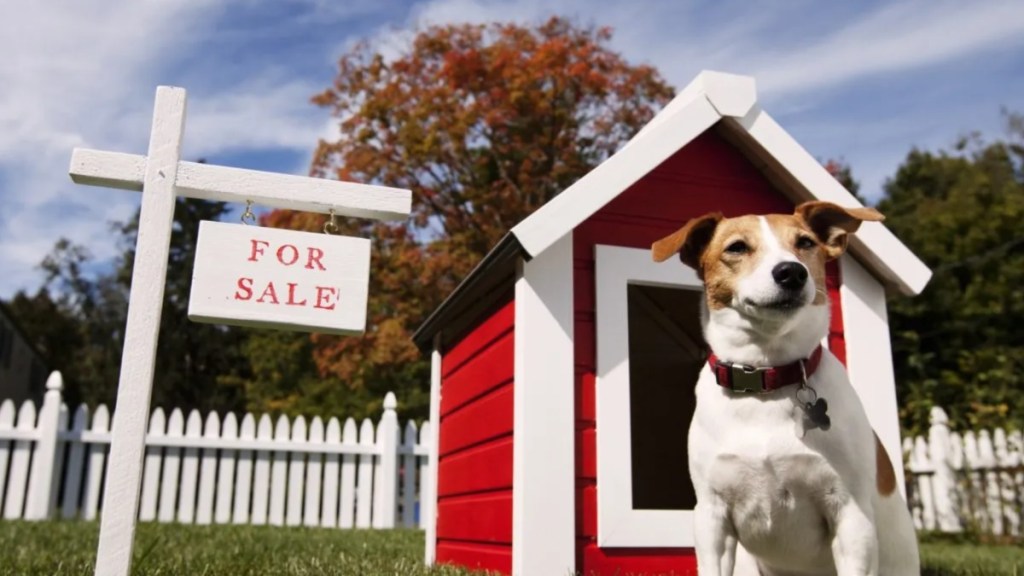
(816, 415)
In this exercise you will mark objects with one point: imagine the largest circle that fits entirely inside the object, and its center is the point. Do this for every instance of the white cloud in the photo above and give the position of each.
(83, 73)
(894, 38)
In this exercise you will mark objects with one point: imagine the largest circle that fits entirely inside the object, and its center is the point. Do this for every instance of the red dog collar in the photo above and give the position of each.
(750, 379)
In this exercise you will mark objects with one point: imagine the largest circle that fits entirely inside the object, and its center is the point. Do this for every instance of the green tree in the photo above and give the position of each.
(484, 123)
(960, 344)
(77, 320)
(200, 366)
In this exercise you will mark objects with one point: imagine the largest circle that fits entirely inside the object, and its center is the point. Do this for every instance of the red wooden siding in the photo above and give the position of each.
(836, 334)
(474, 526)
(707, 175)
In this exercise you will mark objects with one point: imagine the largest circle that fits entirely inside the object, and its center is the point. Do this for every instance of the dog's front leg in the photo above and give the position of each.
(715, 538)
(854, 541)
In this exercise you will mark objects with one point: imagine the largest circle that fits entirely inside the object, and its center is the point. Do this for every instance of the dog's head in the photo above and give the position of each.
(768, 269)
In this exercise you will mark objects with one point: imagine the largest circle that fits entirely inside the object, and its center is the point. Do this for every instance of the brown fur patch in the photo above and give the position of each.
(722, 269)
(886, 479)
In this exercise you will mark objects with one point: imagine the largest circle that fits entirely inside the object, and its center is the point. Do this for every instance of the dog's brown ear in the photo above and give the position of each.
(833, 224)
(689, 241)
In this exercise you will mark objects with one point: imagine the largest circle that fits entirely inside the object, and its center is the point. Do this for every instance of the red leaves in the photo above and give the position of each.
(484, 123)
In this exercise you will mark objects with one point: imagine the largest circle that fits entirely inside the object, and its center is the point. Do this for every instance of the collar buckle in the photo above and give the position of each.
(746, 379)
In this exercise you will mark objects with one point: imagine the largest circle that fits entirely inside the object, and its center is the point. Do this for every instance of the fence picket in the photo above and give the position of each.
(409, 474)
(279, 473)
(45, 452)
(72, 497)
(314, 469)
(976, 488)
(990, 479)
(208, 471)
(151, 471)
(172, 464)
(6, 423)
(364, 489)
(349, 436)
(924, 485)
(243, 474)
(1016, 479)
(17, 484)
(426, 507)
(226, 472)
(1004, 481)
(261, 476)
(329, 513)
(189, 470)
(296, 475)
(58, 466)
(97, 461)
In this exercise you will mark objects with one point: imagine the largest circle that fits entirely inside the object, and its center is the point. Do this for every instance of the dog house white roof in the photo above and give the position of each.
(533, 266)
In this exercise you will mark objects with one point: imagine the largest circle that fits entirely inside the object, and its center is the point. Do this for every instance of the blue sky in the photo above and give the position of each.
(861, 81)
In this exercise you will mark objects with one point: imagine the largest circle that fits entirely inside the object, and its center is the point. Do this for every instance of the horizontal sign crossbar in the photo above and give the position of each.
(225, 184)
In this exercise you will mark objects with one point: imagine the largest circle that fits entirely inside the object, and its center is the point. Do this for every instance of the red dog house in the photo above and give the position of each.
(563, 365)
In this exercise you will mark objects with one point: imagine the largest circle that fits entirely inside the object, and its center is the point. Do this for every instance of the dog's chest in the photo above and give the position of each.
(779, 504)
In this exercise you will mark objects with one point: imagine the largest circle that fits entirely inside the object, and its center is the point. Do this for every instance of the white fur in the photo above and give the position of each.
(769, 501)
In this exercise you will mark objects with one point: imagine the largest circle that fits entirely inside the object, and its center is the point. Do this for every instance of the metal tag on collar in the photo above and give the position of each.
(747, 379)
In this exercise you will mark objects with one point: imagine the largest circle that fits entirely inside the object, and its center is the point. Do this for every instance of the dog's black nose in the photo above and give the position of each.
(790, 275)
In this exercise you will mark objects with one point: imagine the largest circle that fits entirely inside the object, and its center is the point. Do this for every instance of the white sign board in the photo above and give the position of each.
(272, 278)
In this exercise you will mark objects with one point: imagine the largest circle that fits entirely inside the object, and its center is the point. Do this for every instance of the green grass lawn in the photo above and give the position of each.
(65, 548)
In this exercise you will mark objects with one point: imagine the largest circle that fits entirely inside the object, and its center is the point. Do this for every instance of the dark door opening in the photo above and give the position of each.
(666, 354)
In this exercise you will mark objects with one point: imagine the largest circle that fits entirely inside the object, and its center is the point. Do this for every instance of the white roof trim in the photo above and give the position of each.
(709, 98)
(602, 184)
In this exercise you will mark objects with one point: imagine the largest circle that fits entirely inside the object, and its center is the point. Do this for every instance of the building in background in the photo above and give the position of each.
(23, 370)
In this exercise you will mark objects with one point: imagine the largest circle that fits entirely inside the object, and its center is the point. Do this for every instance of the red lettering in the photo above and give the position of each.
(323, 297)
(314, 255)
(244, 291)
(269, 292)
(256, 249)
(281, 258)
(291, 295)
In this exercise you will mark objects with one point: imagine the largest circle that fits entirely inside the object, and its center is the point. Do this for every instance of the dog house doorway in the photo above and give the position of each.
(649, 354)
(666, 353)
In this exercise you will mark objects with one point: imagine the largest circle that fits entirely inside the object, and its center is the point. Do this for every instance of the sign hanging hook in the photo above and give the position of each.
(331, 226)
(248, 217)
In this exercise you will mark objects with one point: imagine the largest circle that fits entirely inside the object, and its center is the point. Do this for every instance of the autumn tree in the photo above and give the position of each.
(484, 123)
(960, 344)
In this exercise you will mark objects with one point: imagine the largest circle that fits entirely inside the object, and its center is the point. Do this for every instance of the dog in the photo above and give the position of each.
(789, 476)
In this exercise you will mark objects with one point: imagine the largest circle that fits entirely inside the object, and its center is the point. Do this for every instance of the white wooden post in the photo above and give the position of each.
(44, 462)
(386, 485)
(161, 176)
(943, 479)
(428, 477)
(145, 304)
(409, 472)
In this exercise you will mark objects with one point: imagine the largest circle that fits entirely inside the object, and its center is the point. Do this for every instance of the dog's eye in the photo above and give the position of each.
(805, 243)
(737, 247)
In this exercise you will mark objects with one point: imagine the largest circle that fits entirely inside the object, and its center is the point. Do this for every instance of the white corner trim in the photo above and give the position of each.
(428, 506)
(618, 524)
(873, 242)
(613, 176)
(869, 355)
(543, 470)
(730, 94)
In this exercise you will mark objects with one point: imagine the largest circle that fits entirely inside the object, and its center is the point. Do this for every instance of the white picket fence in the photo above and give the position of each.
(252, 471)
(972, 481)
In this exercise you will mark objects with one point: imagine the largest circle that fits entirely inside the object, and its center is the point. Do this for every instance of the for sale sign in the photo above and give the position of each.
(272, 278)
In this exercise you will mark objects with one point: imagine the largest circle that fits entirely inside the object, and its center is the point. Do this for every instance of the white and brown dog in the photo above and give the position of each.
(783, 459)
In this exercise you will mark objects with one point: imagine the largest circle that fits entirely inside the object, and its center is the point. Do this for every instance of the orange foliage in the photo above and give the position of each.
(484, 123)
